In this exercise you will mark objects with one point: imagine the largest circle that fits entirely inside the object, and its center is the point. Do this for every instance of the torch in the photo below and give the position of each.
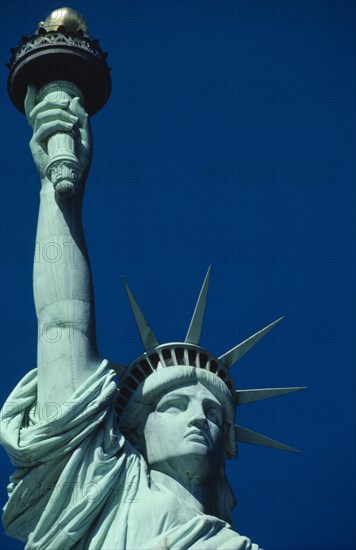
(62, 61)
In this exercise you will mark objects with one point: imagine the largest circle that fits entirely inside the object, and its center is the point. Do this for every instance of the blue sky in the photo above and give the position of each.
(228, 139)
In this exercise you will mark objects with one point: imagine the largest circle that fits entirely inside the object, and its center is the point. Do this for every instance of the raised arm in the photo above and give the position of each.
(63, 291)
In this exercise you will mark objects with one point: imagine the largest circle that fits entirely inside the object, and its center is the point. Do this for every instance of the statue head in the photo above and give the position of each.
(184, 434)
(177, 404)
(181, 419)
(167, 368)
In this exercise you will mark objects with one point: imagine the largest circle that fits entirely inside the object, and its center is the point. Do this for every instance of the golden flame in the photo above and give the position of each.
(71, 20)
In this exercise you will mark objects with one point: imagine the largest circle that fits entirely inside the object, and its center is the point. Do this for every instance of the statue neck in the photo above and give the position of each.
(196, 496)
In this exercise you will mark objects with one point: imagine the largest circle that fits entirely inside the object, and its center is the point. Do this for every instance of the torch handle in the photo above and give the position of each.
(63, 166)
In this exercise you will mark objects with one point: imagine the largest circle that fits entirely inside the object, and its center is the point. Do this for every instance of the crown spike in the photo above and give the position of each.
(247, 436)
(194, 330)
(148, 338)
(243, 397)
(234, 354)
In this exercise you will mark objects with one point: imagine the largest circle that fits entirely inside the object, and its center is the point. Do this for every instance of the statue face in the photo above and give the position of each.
(184, 434)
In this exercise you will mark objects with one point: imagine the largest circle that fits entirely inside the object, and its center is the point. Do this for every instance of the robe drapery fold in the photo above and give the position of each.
(80, 485)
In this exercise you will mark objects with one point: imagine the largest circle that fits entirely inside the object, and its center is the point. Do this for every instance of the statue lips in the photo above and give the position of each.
(198, 436)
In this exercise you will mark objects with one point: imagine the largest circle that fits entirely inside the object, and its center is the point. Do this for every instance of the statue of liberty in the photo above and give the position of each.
(107, 456)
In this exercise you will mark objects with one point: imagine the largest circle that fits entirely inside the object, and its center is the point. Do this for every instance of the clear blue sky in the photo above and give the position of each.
(229, 139)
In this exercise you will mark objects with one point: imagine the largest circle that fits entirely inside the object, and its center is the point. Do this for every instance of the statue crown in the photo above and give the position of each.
(190, 354)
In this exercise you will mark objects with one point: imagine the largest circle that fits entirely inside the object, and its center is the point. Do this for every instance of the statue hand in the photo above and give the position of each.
(48, 117)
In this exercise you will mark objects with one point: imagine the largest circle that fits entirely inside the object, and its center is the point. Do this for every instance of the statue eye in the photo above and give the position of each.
(172, 405)
(214, 414)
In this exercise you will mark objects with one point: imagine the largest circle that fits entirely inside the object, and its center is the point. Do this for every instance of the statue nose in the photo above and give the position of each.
(198, 417)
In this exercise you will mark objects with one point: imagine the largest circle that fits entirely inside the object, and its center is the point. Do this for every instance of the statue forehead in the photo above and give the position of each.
(193, 389)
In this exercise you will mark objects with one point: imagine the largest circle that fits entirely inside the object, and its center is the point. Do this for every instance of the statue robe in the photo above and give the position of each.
(80, 485)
